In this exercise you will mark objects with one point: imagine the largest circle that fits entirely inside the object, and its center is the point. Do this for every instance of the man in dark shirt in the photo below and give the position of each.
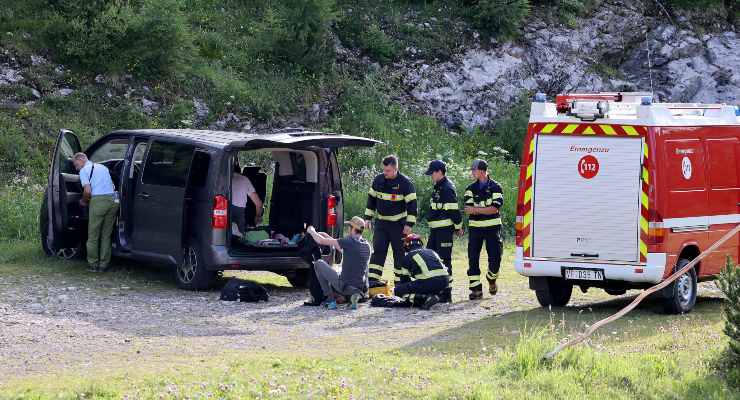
(483, 201)
(352, 282)
(391, 203)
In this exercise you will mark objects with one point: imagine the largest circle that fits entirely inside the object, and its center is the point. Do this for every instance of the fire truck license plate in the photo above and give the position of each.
(584, 274)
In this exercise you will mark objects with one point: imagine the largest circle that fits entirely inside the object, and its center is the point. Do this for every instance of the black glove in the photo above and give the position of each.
(400, 290)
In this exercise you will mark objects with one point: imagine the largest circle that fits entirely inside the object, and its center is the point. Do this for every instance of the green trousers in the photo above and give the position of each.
(102, 219)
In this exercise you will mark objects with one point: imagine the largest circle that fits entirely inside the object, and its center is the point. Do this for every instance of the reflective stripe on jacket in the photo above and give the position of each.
(392, 200)
(490, 195)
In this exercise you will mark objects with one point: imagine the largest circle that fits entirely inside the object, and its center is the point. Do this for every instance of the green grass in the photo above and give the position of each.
(644, 355)
(513, 373)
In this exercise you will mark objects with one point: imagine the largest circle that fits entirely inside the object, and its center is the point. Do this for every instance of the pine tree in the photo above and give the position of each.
(729, 283)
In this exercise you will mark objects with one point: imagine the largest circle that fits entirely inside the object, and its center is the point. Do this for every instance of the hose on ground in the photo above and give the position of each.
(621, 313)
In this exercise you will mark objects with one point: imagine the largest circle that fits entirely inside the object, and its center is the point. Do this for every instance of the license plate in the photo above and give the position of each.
(584, 274)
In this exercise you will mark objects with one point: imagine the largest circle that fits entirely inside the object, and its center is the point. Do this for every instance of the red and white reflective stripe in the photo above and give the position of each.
(701, 221)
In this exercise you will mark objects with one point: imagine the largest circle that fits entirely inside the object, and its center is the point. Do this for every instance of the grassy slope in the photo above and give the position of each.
(645, 355)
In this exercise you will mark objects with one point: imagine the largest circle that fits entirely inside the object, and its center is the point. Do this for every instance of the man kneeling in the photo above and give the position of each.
(423, 279)
(352, 281)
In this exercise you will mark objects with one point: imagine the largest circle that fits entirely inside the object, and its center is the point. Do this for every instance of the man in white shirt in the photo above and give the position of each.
(99, 195)
(241, 189)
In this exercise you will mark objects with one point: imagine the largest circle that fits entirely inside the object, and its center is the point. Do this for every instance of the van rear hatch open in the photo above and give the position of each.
(586, 200)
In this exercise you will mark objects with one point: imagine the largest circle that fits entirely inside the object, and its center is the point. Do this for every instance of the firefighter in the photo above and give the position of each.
(423, 277)
(444, 217)
(391, 202)
(483, 199)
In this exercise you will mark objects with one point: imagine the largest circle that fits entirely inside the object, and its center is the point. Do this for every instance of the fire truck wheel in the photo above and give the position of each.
(680, 295)
(555, 293)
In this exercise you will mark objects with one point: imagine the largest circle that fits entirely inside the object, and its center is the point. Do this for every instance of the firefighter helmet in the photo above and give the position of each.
(412, 240)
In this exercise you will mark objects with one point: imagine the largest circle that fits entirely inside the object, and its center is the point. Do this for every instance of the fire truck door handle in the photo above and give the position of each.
(586, 255)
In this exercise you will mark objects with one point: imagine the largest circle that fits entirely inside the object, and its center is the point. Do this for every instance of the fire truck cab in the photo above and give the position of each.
(617, 192)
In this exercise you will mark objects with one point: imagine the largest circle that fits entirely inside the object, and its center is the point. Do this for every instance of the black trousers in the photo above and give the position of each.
(386, 233)
(494, 247)
(440, 240)
(417, 291)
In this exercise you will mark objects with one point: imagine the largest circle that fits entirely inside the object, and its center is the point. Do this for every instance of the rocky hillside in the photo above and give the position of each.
(379, 69)
(617, 48)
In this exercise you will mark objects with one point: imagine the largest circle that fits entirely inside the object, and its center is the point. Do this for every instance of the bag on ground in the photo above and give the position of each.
(246, 291)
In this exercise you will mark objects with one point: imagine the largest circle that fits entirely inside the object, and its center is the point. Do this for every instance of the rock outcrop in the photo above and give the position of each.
(618, 48)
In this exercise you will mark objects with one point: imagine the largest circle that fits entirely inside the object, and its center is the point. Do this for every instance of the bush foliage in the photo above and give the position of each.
(148, 38)
(499, 17)
(729, 283)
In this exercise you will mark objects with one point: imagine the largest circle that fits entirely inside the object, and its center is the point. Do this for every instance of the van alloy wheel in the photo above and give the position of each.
(188, 266)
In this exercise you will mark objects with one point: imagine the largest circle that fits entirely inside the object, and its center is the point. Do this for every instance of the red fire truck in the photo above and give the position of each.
(617, 192)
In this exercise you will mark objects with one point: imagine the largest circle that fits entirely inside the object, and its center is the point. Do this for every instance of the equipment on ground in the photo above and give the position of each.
(245, 291)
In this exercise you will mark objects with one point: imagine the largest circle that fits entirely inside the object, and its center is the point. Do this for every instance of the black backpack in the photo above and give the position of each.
(241, 290)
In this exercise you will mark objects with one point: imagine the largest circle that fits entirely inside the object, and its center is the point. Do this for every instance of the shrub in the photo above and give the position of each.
(729, 283)
(148, 38)
(19, 210)
(295, 32)
(512, 128)
(371, 40)
(499, 17)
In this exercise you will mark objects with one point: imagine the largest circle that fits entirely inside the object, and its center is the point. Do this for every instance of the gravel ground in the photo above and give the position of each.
(93, 322)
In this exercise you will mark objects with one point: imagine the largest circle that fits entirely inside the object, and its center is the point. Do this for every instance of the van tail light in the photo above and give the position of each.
(519, 225)
(220, 212)
(331, 212)
(656, 232)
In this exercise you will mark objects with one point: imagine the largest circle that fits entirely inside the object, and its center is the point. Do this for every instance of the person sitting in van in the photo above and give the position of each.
(241, 189)
(352, 282)
(99, 195)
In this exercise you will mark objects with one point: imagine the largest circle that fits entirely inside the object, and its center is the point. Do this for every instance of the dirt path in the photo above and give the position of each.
(93, 322)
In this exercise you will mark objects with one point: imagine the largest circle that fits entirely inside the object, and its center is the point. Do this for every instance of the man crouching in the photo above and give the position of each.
(352, 282)
(423, 278)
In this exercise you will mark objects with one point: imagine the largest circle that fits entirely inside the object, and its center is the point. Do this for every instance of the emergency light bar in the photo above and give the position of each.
(591, 106)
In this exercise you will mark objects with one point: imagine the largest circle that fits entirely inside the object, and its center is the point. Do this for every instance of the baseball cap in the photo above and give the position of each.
(436, 165)
(356, 222)
(480, 165)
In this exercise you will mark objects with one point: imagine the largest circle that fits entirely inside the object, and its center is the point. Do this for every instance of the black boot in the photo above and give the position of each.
(430, 301)
(445, 296)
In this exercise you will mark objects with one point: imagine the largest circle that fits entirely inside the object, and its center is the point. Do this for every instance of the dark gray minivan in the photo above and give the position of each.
(175, 191)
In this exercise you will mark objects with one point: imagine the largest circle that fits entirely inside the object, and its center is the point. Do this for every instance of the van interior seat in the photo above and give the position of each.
(259, 181)
(291, 206)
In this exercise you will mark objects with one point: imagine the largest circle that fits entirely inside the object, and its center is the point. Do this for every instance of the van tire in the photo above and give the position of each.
(556, 293)
(44, 225)
(680, 296)
(191, 273)
(299, 279)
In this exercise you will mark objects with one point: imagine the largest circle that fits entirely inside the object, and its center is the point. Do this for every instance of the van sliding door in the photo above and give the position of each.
(159, 201)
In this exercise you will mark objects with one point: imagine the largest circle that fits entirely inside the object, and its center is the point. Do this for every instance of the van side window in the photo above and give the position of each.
(140, 152)
(168, 164)
(199, 169)
(112, 150)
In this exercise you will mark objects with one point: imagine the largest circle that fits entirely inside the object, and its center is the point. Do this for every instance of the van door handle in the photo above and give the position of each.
(144, 195)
